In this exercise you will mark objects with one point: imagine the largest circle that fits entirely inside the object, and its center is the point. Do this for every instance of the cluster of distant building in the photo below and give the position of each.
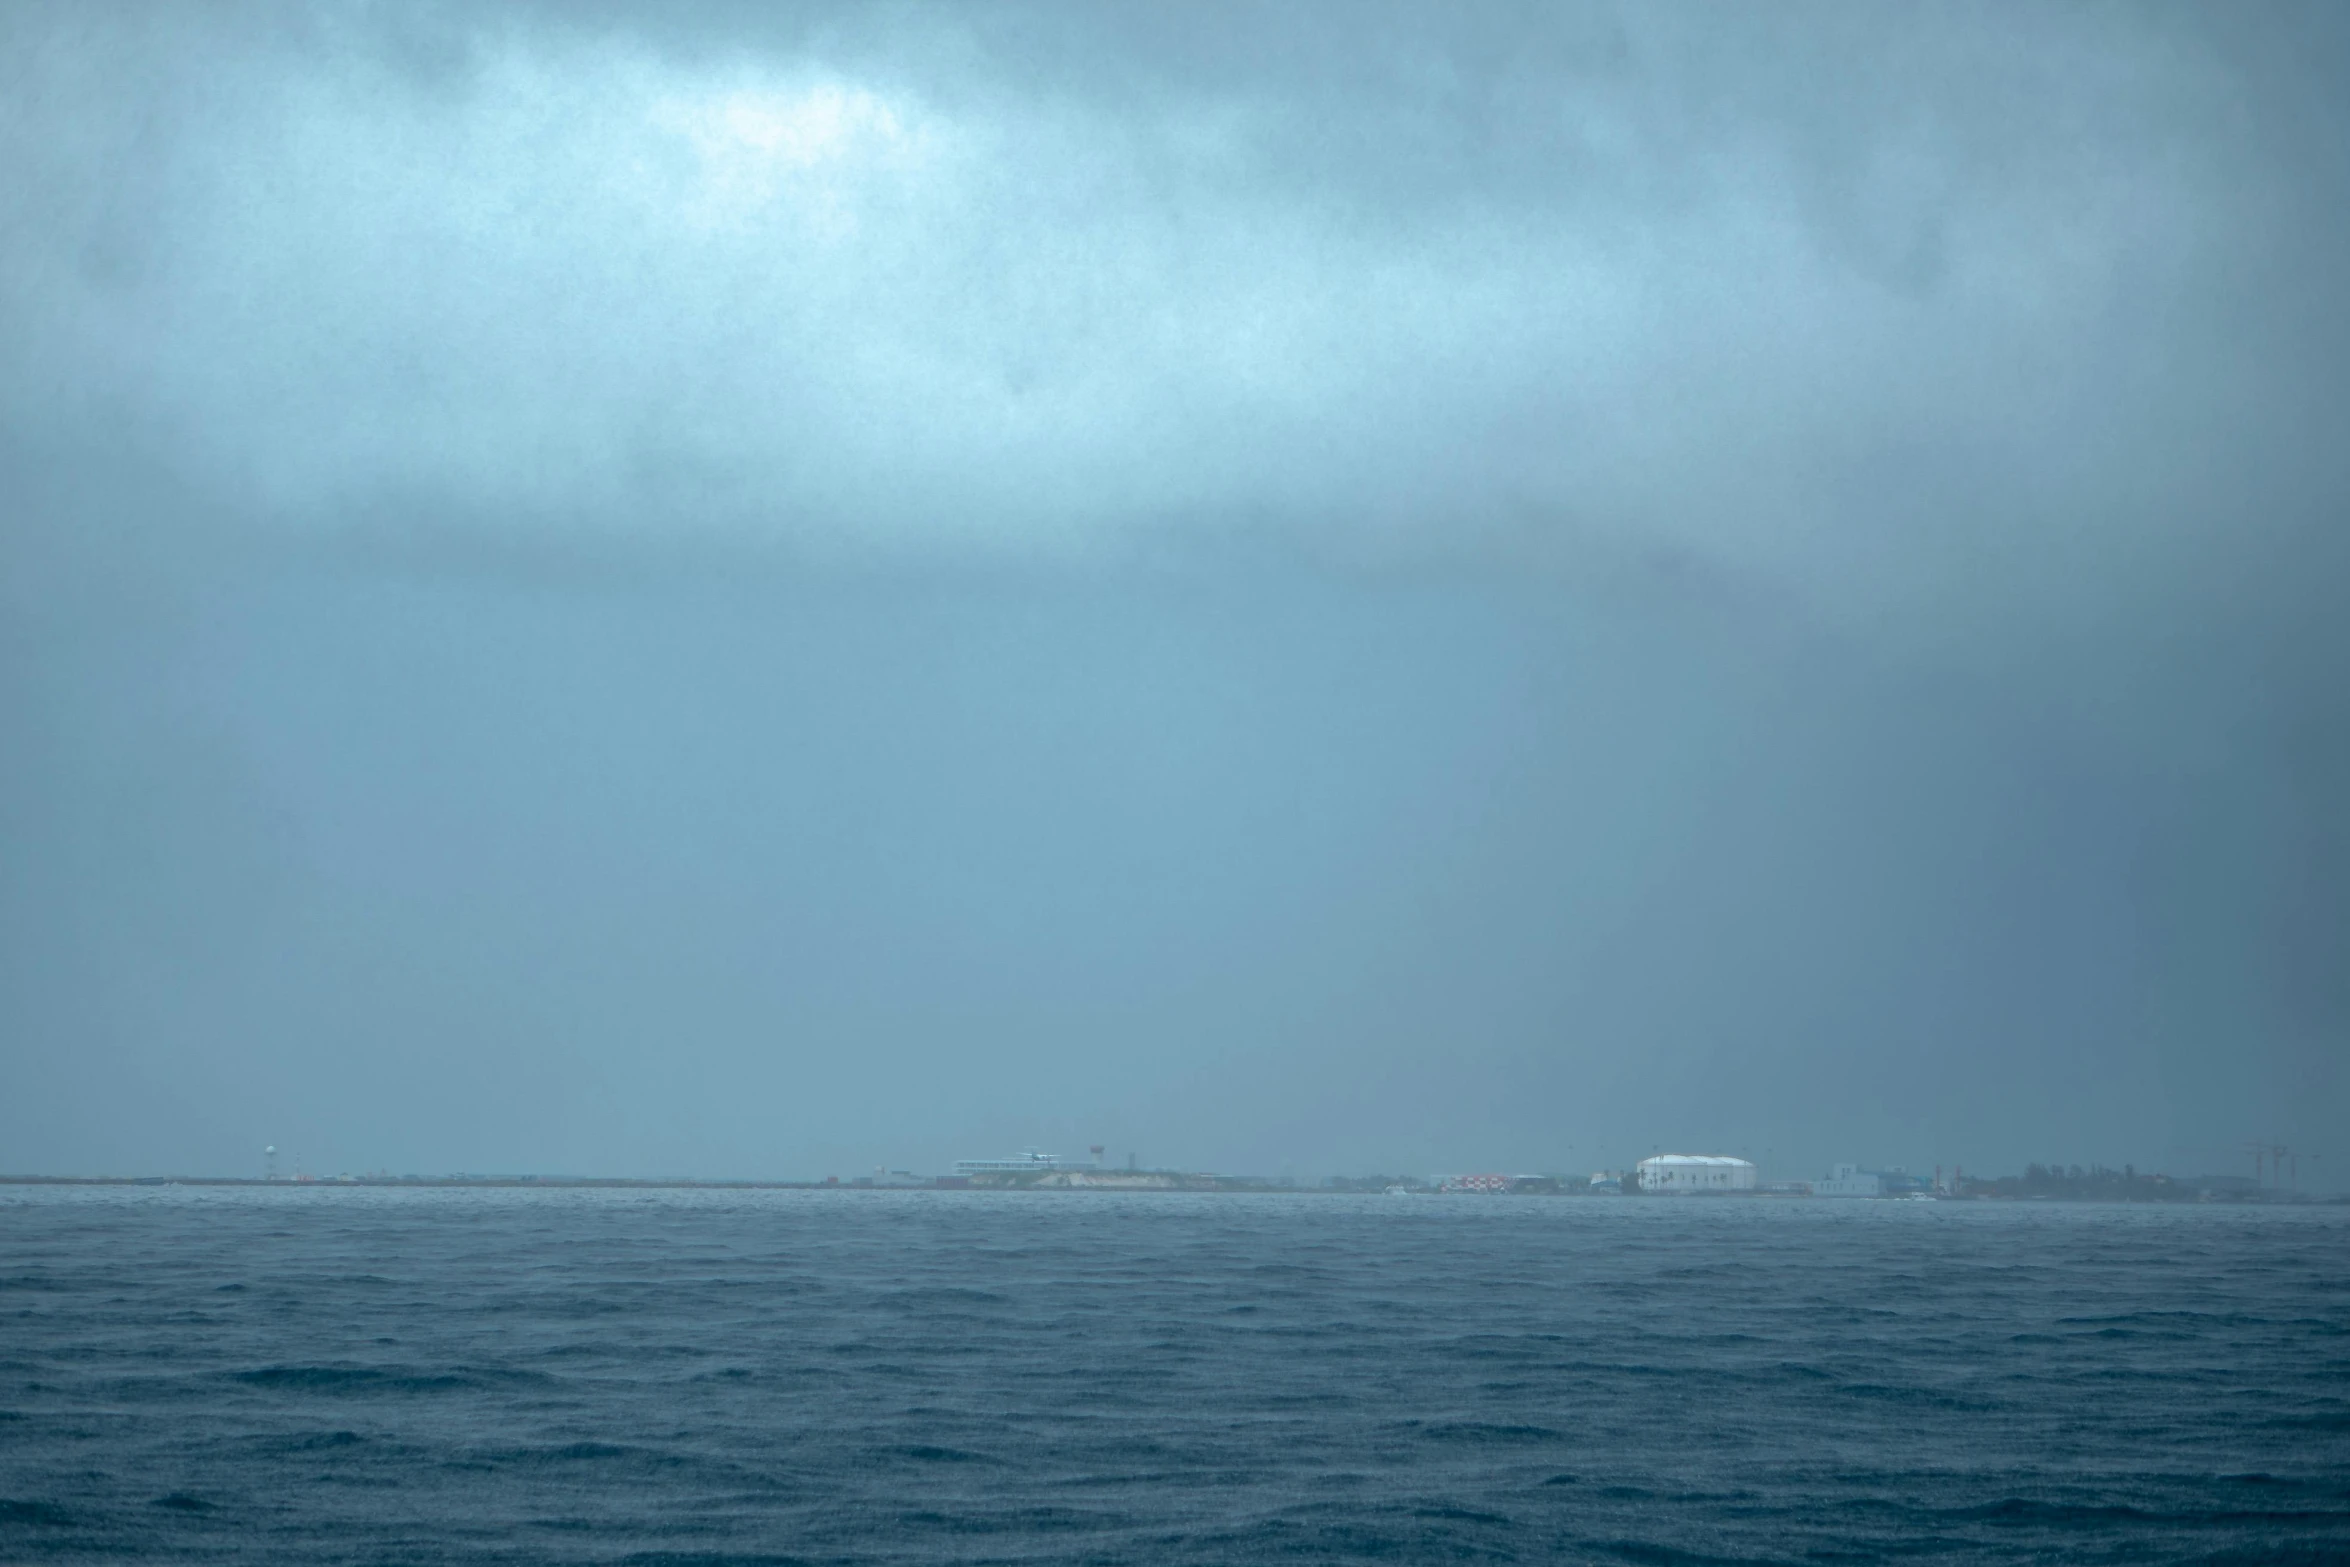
(1669, 1174)
(1683, 1174)
(1663, 1174)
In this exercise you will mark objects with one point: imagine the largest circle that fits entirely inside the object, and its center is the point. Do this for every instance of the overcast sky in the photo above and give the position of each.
(751, 590)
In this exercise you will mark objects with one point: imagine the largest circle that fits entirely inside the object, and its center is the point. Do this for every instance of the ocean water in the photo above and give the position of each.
(417, 1376)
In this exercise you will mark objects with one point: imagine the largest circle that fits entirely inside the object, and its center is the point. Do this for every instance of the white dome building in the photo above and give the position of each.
(1696, 1172)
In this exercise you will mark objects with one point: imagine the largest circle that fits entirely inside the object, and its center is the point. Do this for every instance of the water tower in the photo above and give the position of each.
(269, 1163)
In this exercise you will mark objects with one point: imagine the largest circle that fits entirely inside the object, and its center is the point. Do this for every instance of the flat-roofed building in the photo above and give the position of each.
(1696, 1172)
(1849, 1180)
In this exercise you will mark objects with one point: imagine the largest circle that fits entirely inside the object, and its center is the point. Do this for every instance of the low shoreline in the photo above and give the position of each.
(1227, 1185)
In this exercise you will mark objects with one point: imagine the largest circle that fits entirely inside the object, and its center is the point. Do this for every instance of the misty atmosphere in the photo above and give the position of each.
(766, 591)
(1112, 785)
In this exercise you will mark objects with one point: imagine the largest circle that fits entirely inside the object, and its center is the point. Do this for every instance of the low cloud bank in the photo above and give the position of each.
(2013, 312)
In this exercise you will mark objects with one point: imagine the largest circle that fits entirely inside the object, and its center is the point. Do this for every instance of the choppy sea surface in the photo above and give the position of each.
(417, 1376)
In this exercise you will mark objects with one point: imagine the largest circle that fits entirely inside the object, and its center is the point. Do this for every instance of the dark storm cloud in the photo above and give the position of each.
(1924, 421)
(1873, 304)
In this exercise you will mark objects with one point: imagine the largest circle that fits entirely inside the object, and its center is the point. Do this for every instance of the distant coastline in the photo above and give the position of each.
(2133, 1190)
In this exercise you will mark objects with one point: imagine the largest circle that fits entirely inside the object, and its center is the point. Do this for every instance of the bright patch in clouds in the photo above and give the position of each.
(758, 146)
(797, 131)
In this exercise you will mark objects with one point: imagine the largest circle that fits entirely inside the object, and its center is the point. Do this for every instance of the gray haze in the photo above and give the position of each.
(762, 591)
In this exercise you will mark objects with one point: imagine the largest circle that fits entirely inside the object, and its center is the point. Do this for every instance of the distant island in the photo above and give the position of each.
(2037, 1183)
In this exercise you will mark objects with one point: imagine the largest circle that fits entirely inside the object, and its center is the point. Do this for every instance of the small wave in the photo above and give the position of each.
(1650, 1553)
(2026, 1509)
(1026, 1520)
(573, 1451)
(1916, 1397)
(711, 1559)
(2215, 1319)
(924, 1453)
(1490, 1432)
(374, 1379)
(322, 1439)
(47, 1515)
(2029, 1510)
(2320, 1420)
(944, 1294)
(570, 1456)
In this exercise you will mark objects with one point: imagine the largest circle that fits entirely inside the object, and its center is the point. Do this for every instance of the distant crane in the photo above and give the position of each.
(2279, 1160)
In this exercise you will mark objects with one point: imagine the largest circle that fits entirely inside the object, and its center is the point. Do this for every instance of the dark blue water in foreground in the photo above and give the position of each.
(314, 1375)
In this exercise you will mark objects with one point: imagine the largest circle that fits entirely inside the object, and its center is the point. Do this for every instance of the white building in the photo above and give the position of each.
(1026, 1162)
(1849, 1180)
(1696, 1172)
